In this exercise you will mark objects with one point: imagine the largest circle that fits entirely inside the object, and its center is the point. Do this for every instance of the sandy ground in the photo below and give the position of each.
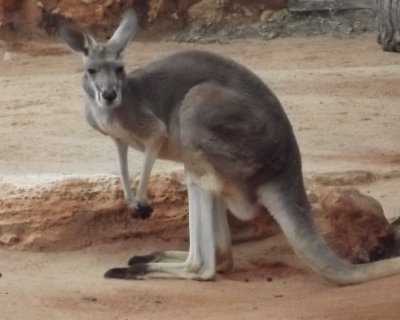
(342, 98)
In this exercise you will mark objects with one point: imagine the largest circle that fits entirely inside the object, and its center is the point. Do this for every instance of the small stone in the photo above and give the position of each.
(9, 239)
(312, 197)
(247, 12)
(269, 279)
(280, 15)
(8, 55)
(266, 15)
(89, 299)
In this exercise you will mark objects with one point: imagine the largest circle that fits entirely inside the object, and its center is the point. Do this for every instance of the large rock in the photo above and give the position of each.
(89, 13)
(24, 15)
(10, 5)
(78, 212)
(7, 7)
(357, 227)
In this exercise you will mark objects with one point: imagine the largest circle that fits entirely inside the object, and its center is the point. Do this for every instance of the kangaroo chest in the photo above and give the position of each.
(108, 124)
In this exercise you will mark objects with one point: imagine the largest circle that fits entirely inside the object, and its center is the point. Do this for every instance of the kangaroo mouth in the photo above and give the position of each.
(111, 105)
(106, 104)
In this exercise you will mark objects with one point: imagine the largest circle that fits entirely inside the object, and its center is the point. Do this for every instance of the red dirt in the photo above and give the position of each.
(44, 138)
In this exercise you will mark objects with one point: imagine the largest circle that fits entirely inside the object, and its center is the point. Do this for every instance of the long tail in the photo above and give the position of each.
(288, 204)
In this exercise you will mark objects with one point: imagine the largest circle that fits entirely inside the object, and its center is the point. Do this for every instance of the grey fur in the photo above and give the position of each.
(235, 141)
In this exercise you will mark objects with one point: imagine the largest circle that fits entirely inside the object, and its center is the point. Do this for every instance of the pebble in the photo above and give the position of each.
(90, 299)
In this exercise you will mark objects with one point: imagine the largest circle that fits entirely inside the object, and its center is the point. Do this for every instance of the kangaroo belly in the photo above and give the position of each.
(169, 150)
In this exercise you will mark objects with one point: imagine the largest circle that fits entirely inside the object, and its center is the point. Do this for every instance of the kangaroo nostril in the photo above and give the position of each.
(109, 95)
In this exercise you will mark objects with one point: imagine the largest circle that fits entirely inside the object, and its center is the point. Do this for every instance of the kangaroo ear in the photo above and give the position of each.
(77, 39)
(125, 32)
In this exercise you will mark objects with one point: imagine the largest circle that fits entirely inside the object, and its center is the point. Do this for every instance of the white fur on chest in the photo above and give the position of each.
(108, 124)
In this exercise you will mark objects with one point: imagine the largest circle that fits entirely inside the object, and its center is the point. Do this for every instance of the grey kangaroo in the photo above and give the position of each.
(234, 139)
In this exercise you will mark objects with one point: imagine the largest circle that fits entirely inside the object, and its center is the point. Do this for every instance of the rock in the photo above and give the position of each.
(312, 197)
(266, 15)
(247, 12)
(89, 298)
(51, 216)
(8, 56)
(357, 227)
(280, 15)
(9, 239)
(10, 5)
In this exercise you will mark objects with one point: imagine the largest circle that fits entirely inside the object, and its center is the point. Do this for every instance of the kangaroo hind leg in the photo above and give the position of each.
(200, 263)
(159, 256)
(222, 238)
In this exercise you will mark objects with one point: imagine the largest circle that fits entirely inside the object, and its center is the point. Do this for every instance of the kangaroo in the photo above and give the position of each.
(234, 139)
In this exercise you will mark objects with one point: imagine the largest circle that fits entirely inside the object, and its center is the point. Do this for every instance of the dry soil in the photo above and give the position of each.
(342, 97)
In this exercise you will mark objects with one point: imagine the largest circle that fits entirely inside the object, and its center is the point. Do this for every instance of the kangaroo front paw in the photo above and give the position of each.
(141, 211)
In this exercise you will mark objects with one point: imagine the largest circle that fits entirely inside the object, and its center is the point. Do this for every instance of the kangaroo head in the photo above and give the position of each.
(104, 74)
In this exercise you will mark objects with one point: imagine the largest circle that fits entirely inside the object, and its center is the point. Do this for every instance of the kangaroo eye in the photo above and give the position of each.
(119, 69)
(91, 71)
